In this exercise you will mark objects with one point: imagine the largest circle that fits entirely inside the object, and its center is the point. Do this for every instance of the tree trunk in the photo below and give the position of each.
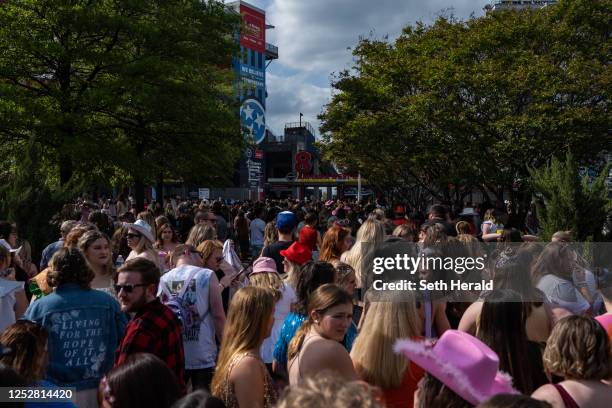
(160, 189)
(139, 194)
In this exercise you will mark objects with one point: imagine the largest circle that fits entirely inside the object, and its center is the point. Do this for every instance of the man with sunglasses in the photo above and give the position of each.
(203, 299)
(154, 329)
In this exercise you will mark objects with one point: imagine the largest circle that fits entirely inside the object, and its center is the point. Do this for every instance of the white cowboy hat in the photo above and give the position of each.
(143, 228)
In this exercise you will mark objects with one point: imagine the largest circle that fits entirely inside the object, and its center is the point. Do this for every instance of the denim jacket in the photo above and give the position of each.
(85, 327)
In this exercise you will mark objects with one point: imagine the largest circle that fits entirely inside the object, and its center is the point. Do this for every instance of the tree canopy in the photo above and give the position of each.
(463, 105)
(129, 89)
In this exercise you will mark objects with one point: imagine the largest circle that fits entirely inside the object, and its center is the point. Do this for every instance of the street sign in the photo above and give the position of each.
(204, 193)
(290, 176)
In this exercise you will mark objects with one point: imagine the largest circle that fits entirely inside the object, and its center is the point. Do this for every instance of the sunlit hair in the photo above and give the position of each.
(490, 215)
(331, 247)
(343, 273)
(388, 319)
(578, 349)
(270, 234)
(405, 231)
(206, 248)
(462, 228)
(328, 390)
(72, 239)
(268, 280)
(88, 239)
(245, 329)
(149, 219)
(292, 272)
(68, 265)
(200, 233)
(370, 237)
(562, 236)
(143, 245)
(435, 234)
(556, 259)
(160, 221)
(28, 342)
(159, 244)
(321, 300)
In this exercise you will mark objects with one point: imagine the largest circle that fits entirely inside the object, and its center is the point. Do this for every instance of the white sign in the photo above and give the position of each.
(203, 193)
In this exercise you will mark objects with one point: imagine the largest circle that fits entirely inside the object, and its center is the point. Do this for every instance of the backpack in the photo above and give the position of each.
(179, 306)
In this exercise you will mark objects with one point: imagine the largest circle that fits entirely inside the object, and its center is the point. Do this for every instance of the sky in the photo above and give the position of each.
(314, 38)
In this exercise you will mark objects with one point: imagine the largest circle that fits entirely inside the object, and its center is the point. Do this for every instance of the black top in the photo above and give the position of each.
(273, 251)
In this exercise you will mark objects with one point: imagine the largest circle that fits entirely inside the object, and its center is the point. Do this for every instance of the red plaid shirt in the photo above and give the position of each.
(156, 330)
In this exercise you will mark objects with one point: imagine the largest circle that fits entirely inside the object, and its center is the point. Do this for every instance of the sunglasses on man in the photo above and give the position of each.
(128, 288)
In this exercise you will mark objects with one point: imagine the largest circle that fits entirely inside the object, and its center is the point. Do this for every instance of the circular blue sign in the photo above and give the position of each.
(252, 116)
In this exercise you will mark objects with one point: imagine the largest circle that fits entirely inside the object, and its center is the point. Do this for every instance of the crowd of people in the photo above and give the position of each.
(271, 304)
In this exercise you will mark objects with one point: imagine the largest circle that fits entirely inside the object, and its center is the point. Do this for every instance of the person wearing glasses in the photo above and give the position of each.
(203, 299)
(140, 239)
(84, 326)
(155, 328)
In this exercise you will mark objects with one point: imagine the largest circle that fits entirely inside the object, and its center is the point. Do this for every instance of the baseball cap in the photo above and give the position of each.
(286, 220)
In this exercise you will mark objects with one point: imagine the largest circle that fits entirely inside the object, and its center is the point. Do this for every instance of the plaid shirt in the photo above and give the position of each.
(156, 330)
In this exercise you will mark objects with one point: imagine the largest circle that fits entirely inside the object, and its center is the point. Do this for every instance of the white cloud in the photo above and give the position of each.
(314, 35)
(290, 95)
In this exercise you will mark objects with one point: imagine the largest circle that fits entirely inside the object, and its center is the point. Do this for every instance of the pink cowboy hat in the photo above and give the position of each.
(462, 363)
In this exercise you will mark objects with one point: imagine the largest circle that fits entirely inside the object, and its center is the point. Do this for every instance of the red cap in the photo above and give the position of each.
(298, 253)
(308, 237)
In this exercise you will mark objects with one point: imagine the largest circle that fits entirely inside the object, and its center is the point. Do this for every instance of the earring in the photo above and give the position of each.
(316, 321)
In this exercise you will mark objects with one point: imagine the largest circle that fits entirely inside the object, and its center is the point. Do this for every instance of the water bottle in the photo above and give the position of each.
(119, 262)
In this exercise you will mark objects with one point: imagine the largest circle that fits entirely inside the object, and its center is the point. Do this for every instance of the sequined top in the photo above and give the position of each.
(228, 394)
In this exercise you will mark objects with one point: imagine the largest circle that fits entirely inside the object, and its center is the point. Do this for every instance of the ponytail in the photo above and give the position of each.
(298, 340)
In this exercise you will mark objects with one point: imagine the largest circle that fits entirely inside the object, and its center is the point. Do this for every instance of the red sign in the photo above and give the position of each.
(303, 162)
(253, 33)
(259, 154)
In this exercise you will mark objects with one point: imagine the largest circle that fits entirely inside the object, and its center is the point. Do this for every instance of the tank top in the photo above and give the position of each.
(228, 394)
(568, 401)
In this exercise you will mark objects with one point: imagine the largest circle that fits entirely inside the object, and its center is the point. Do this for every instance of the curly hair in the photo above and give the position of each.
(579, 349)
(328, 390)
(68, 265)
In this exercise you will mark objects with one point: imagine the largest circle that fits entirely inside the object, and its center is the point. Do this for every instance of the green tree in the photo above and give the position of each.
(111, 87)
(461, 105)
(568, 202)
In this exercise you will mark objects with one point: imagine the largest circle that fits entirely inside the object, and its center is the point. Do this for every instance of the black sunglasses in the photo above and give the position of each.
(130, 235)
(129, 288)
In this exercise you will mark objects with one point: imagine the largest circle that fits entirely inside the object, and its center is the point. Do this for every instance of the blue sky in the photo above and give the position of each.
(314, 39)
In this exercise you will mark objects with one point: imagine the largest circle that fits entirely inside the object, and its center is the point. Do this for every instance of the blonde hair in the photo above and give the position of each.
(245, 329)
(207, 248)
(268, 280)
(322, 299)
(88, 239)
(149, 219)
(270, 234)
(462, 228)
(389, 318)
(144, 245)
(292, 273)
(200, 233)
(578, 349)
(370, 237)
(328, 390)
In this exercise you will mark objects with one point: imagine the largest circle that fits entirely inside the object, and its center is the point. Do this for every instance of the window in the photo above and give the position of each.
(253, 58)
(245, 56)
(260, 60)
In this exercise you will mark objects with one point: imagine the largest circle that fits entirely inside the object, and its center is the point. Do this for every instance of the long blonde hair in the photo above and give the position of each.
(370, 237)
(200, 233)
(391, 317)
(245, 329)
(268, 280)
(206, 248)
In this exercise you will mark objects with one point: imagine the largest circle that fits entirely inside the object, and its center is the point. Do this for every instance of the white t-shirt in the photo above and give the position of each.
(281, 310)
(563, 293)
(258, 226)
(199, 341)
(7, 301)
